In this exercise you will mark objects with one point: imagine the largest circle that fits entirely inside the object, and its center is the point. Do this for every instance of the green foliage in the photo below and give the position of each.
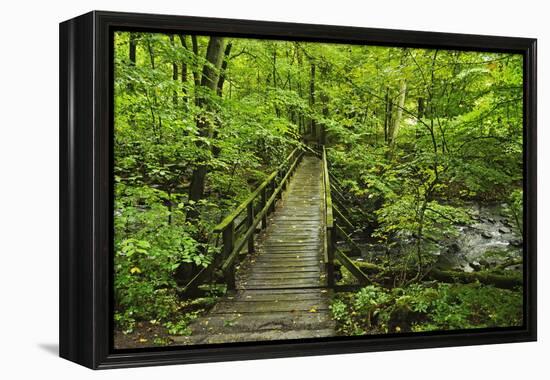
(158, 144)
(426, 307)
(411, 134)
(515, 209)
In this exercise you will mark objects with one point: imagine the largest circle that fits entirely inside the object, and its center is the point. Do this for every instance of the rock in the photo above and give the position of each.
(476, 266)
(504, 230)
(516, 242)
(491, 220)
(453, 248)
(484, 263)
(486, 235)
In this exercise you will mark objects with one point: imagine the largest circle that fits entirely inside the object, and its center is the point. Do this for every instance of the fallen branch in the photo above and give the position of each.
(499, 280)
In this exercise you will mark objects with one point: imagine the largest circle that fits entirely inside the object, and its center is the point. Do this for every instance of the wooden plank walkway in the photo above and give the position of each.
(281, 289)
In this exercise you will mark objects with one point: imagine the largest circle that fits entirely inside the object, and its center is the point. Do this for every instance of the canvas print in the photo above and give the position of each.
(269, 190)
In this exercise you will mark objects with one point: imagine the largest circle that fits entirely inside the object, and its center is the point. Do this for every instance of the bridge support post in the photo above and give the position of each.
(249, 221)
(262, 206)
(271, 191)
(331, 246)
(283, 186)
(228, 246)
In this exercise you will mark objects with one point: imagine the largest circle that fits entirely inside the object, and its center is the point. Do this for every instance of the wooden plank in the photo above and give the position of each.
(227, 324)
(350, 265)
(315, 275)
(348, 239)
(261, 295)
(282, 236)
(273, 306)
(254, 336)
(286, 269)
(290, 262)
(281, 254)
(276, 291)
(341, 216)
(291, 241)
(282, 283)
(233, 322)
(281, 289)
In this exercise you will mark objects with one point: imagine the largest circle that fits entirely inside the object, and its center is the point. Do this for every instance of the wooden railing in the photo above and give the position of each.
(330, 233)
(333, 230)
(238, 228)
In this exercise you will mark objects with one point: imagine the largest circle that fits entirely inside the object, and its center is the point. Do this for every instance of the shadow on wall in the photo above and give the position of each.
(52, 348)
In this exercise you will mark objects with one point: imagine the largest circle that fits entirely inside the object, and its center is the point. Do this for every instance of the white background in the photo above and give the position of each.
(29, 187)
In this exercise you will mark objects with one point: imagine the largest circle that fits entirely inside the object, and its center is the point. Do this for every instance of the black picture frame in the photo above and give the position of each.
(86, 188)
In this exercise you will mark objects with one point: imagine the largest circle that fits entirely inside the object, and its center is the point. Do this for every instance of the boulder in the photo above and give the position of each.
(453, 248)
(516, 242)
(476, 266)
(486, 235)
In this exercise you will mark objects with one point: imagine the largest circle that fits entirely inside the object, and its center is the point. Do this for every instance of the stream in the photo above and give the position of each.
(491, 240)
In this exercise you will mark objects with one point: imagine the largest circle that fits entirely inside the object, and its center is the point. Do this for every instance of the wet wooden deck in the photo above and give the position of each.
(281, 289)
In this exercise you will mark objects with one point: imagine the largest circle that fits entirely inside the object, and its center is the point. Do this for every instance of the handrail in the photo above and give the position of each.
(332, 229)
(229, 218)
(340, 216)
(233, 239)
(328, 196)
(330, 235)
(252, 226)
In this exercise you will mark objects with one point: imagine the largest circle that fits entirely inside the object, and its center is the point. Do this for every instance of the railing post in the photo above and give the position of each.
(228, 245)
(250, 220)
(283, 188)
(262, 206)
(331, 246)
(271, 191)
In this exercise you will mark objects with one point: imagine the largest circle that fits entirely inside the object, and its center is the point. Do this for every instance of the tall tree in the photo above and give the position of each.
(223, 70)
(208, 84)
(394, 130)
(184, 71)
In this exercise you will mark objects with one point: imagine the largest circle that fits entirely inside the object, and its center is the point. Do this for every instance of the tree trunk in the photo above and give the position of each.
(312, 98)
(196, 74)
(324, 98)
(174, 74)
(225, 62)
(399, 113)
(503, 281)
(420, 112)
(274, 74)
(387, 114)
(132, 47)
(209, 82)
(183, 72)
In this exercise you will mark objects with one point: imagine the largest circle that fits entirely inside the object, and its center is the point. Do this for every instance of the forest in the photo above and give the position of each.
(424, 144)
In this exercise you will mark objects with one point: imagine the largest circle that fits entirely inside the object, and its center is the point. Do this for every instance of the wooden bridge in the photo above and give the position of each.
(278, 252)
